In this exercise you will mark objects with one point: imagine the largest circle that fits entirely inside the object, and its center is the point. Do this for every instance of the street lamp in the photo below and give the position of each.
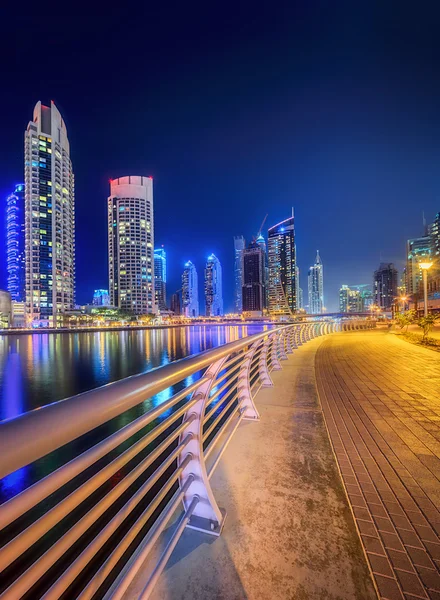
(425, 266)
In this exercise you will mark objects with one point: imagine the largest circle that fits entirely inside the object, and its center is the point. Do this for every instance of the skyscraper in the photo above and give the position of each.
(350, 300)
(101, 298)
(50, 218)
(316, 287)
(282, 298)
(175, 303)
(385, 285)
(15, 244)
(131, 243)
(190, 291)
(213, 287)
(160, 278)
(261, 243)
(254, 265)
(416, 249)
(435, 236)
(239, 246)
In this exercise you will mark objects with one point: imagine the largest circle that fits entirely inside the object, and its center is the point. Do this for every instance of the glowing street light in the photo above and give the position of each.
(425, 266)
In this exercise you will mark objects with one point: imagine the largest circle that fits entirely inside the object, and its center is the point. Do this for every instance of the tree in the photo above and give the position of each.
(406, 318)
(427, 323)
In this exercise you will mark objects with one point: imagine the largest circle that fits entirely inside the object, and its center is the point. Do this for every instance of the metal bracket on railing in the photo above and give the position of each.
(263, 370)
(244, 388)
(276, 365)
(282, 355)
(207, 516)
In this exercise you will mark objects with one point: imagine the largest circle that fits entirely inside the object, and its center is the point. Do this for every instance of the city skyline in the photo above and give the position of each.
(347, 131)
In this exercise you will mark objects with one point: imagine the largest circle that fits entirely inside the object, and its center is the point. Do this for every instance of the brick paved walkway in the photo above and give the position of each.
(381, 400)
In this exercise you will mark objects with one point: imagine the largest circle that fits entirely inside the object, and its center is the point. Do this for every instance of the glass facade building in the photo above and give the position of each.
(239, 246)
(131, 243)
(50, 218)
(190, 291)
(385, 285)
(160, 278)
(417, 249)
(316, 287)
(213, 287)
(281, 251)
(254, 266)
(101, 298)
(15, 243)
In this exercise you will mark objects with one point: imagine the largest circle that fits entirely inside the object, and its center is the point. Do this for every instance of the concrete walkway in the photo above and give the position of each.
(381, 402)
(289, 532)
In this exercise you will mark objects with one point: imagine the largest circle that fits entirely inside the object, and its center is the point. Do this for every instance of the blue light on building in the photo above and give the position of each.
(101, 298)
(15, 240)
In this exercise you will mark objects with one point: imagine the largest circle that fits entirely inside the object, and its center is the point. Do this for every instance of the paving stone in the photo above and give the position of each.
(380, 394)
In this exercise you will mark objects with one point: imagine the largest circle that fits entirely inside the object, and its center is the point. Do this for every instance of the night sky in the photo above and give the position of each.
(238, 110)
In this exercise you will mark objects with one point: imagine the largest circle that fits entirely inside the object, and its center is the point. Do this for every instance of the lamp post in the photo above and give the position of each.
(425, 266)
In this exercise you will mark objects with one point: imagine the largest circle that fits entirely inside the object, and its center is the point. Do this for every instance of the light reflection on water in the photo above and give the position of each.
(38, 369)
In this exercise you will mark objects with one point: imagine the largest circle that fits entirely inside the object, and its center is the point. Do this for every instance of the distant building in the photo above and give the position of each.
(254, 267)
(131, 242)
(15, 244)
(101, 298)
(300, 299)
(50, 218)
(190, 291)
(18, 314)
(160, 278)
(5, 309)
(261, 243)
(213, 287)
(316, 287)
(417, 249)
(350, 300)
(435, 236)
(239, 246)
(175, 303)
(385, 286)
(281, 253)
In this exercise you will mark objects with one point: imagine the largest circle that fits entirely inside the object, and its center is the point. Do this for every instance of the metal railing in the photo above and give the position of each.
(86, 528)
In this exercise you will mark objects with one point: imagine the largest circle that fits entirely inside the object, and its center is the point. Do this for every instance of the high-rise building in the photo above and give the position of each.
(131, 243)
(261, 242)
(190, 291)
(316, 287)
(239, 246)
(282, 298)
(300, 302)
(350, 300)
(254, 266)
(435, 236)
(160, 278)
(385, 285)
(417, 249)
(213, 287)
(175, 303)
(15, 244)
(101, 298)
(50, 218)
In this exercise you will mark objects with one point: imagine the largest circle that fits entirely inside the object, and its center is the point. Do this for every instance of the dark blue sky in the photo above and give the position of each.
(238, 110)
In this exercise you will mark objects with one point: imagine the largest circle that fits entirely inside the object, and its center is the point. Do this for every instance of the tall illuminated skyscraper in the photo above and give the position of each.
(254, 266)
(190, 291)
(50, 218)
(160, 278)
(131, 243)
(239, 246)
(282, 268)
(213, 287)
(385, 285)
(15, 244)
(316, 287)
(417, 249)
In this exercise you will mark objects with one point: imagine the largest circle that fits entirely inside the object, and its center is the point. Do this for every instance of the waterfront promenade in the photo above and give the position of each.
(295, 525)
